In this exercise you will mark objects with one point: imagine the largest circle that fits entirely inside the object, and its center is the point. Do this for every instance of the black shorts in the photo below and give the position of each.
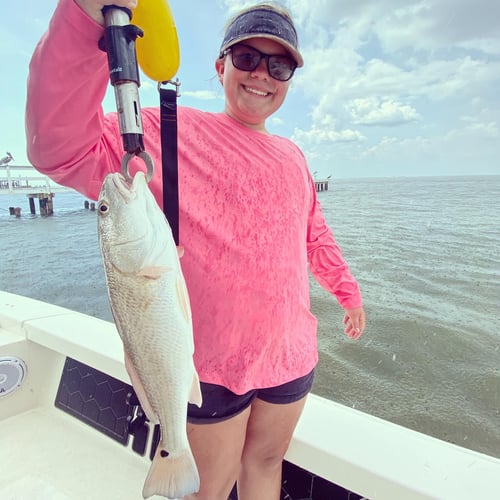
(220, 403)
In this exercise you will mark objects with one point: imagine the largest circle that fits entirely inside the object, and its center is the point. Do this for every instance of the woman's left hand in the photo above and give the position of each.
(355, 322)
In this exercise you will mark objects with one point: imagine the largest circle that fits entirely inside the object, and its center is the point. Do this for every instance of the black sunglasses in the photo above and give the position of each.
(246, 58)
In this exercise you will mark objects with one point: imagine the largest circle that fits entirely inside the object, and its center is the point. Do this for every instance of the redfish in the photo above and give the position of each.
(150, 306)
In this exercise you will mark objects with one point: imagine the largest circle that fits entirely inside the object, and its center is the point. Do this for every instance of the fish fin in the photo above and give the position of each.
(182, 295)
(139, 390)
(195, 396)
(171, 477)
(153, 272)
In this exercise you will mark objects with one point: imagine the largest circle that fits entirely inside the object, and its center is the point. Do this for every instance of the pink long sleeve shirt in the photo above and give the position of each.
(249, 218)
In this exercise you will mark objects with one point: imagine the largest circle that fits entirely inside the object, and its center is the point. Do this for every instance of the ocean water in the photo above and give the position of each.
(426, 252)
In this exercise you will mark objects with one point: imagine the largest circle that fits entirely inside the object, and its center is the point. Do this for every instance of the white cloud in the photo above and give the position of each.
(419, 66)
(318, 136)
(439, 24)
(233, 6)
(479, 130)
(406, 24)
(345, 75)
(374, 111)
(476, 143)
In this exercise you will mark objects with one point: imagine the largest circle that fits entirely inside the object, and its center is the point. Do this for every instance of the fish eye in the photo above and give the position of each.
(103, 208)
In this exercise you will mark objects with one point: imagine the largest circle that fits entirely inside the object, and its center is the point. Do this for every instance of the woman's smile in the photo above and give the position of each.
(254, 91)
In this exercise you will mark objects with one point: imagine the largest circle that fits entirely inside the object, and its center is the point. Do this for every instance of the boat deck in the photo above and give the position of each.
(47, 453)
(52, 456)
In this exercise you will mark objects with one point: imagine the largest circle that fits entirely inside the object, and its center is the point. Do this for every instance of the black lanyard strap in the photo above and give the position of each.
(170, 175)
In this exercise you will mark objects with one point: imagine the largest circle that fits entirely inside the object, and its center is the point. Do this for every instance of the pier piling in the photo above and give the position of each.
(32, 206)
(45, 202)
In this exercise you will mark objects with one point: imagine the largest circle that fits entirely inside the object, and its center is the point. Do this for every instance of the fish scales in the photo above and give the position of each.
(159, 372)
(150, 305)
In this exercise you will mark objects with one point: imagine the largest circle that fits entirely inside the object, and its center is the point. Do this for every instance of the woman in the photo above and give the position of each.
(249, 237)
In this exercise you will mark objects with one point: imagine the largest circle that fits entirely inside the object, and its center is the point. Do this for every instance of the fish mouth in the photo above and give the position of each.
(123, 187)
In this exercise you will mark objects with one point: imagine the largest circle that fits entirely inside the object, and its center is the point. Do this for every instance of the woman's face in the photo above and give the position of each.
(252, 96)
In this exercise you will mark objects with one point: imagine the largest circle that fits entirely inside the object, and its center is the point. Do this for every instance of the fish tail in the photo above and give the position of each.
(172, 477)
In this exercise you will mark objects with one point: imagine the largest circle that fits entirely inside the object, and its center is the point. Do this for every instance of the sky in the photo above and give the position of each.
(389, 88)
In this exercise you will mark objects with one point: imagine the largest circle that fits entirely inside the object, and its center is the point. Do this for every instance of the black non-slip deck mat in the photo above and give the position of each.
(96, 398)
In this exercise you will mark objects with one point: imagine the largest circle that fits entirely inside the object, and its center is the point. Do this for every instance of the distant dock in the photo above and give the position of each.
(321, 185)
(34, 186)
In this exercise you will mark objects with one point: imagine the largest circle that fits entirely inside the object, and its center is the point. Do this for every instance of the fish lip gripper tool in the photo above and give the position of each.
(119, 44)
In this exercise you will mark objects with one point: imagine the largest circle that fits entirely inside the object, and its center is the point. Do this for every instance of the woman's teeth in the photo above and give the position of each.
(256, 92)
